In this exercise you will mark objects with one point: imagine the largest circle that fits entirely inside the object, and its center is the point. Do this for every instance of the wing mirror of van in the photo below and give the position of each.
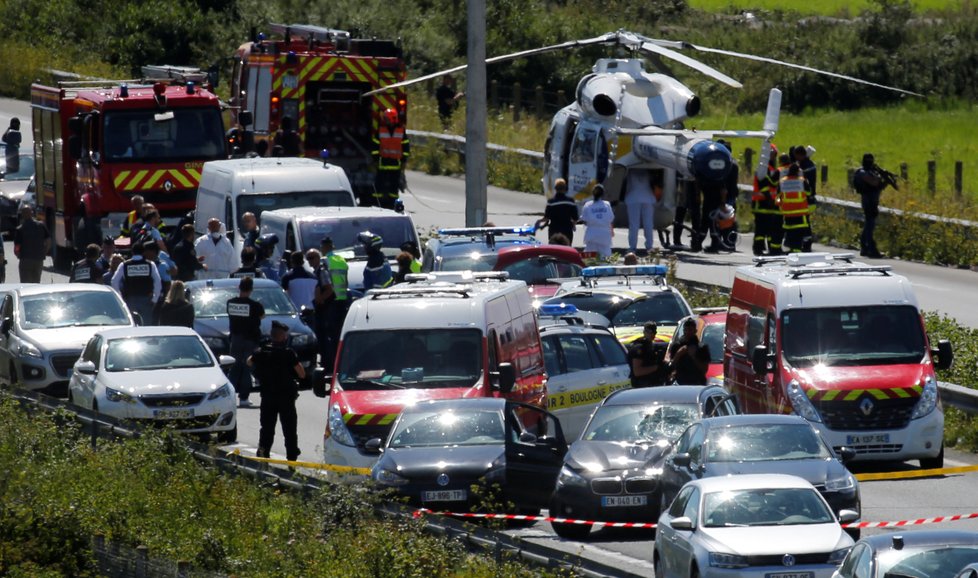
(5, 325)
(505, 377)
(846, 455)
(943, 355)
(85, 367)
(761, 361)
(320, 382)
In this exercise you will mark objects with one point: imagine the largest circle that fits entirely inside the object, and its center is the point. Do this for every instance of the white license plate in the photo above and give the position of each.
(790, 575)
(614, 501)
(868, 439)
(173, 413)
(445, 496)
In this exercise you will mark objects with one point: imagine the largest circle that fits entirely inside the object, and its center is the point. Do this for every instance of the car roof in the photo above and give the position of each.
(471, 403)
(559, 326)
(753, 419)
(750, 481)
(146, 331)
(661, 394)
(518, 252)
(222, 283)
(460, 245)
(313, 213)
(920, 538)
(42, 288)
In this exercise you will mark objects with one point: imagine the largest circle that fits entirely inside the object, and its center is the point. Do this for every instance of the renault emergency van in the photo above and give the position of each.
(230, 188)
(437, 336)
(841, 344)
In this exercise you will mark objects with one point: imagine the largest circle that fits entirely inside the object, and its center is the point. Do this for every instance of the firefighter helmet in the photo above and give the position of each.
(391, 116)
(370, 240)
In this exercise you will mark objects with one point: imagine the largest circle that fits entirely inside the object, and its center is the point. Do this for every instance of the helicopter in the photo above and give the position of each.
(624, 118)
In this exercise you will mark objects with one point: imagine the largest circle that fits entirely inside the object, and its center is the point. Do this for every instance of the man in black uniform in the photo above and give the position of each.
(686, 357)
(88, 270)
(244, 324)
(108, 250)
(277, 367)
(869, 181)
(138, 281)
(248, 266)
(185, 255)
(646, 359)
(561, 213)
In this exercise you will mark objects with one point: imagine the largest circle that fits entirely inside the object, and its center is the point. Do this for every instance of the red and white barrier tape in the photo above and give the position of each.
(554, 520)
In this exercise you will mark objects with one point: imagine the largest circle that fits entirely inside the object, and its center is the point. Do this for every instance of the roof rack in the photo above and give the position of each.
(182, 74)
(311, 32)
(797, 272)
(457, 276)
(803, 259)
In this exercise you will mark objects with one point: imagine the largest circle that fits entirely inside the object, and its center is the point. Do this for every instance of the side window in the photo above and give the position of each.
(91, 352)
(679, 504)
(229, 217)
(610, 350)
(857, 563)
(8, 307)
(577, 355)
(772, 334)
(290, 238)
(682, 446)
(551, 359)
(696, 445)
(493, 350)
(428, 260)
(755, 329)
(692, 508)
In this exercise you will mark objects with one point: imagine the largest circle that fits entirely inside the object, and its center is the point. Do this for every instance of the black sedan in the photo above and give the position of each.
(210, 299)
(760, 444)
(485, 453)
(912, 553)
(611, 474)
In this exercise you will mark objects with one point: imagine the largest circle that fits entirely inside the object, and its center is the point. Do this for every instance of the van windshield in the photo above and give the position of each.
(870, 335)
(270, 201)
(395, 230)
(411, 359)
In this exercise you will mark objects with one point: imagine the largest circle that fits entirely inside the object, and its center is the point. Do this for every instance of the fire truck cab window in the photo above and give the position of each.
(190, 133)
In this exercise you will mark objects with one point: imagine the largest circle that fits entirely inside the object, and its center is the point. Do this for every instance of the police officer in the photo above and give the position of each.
(686, 356)
(244, 322)
(265, 245)
(869, 182)
(88, 270)
(412, 248)
(377, 273)
(108, 250)
(277, 367)
(249, 267)
(646, 358)
(138, 281)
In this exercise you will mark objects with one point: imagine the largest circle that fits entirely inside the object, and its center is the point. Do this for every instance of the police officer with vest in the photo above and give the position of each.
(244, 325)
(138, 281)
(278, 369)
(768, 230)
(391, 151)
(334, 290)
(377, 274)
(249, 267)
(796, 210)
(88, 270)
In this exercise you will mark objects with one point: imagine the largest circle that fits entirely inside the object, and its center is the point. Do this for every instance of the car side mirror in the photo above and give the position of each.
(225, 361)
(682, 460)
(5, 325)
(682, 523)
(760, 361)
(943, 355)
(506, 377)
(846, 516)
(372, 446)
(85, 367)
(320, 382)
(528, 438)
(846, 455)
(137, 318)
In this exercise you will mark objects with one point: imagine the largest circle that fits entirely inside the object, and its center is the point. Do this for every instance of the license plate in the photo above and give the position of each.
(790, 575)
(868, 439)
(173, 413)
(445, 496)
(614, 501)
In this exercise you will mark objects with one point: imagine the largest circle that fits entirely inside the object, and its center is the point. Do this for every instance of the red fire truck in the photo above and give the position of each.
(316, 77)
(97, 144)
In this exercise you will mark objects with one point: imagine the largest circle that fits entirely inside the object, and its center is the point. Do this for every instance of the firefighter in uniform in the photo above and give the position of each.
(377, 274)
(88, 270)
(796, 210)
(138, 281)
(764, 205)
(278, 369)
(391, 149)
(134, 216)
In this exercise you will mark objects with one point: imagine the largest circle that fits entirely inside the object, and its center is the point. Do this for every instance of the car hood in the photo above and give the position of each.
(165, 381)
(379, 403)
(427, 463)
(218, 326)
(604, 456)
(815, 472)
(774, 540)
(867, 377)
(64, 337)
(13, 189)
(542, 291)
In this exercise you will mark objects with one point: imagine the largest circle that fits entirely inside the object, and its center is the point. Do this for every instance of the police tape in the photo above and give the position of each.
(554, 520)
(308, 465)
(914, 474)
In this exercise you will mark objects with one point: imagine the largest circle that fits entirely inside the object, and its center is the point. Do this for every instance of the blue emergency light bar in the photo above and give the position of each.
(470, 231)
(557, 309)
(623, 271)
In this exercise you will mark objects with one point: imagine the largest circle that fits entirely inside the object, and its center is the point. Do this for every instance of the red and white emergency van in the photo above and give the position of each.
(437, 336)
(841, 344)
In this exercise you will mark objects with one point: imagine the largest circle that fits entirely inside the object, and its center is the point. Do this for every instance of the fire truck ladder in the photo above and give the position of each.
(180, 74)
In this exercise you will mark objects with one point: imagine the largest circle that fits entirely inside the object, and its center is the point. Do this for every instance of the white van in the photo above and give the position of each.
(230, 188)
(303, 228)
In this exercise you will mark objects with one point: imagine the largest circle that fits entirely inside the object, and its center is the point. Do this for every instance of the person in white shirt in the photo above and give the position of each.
(599, 219)
(640, 202)
(215, 251)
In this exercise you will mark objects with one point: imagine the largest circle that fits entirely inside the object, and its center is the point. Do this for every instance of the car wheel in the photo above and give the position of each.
(694, 572)
(228, 437)
(934, 463)
(95, 405)
(13, 376)
(658, 570)
(567, 531)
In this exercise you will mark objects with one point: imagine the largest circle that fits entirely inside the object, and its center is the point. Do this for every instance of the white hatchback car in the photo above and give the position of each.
(157, 374)
(770, 525)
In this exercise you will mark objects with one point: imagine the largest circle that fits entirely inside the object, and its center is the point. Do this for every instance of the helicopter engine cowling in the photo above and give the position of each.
(599, 95)
(693, 159)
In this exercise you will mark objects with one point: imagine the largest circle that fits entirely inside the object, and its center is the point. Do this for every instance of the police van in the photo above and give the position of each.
(841, 344)
(437, 336)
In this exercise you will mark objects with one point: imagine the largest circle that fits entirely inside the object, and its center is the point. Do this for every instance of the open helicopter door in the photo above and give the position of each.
(588, 160)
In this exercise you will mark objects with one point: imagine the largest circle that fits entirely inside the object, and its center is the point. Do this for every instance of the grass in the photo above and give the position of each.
(837, 8)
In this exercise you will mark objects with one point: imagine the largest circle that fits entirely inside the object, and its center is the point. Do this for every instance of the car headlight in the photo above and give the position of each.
(838, 556)
(800, 402)
(569, 477)
(337, 427)
(928, 399)
(223, 391)
(389, 478)
(117, 396)
(722, 560)
(301, 340)
(217, 342)
(26, 349)
(846, 482)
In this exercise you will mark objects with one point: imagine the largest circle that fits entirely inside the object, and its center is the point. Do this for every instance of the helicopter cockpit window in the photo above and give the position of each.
(583, 151)
(602, 158)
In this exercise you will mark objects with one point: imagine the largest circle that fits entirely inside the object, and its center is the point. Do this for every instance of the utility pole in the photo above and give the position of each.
(475, 117)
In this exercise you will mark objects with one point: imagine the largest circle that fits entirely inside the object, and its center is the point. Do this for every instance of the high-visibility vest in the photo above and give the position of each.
(766, 189)
(338, 275)
(794, 197)
(392, 144)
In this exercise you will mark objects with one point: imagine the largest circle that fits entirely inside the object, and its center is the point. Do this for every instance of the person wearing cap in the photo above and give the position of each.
(244, 325)
(646, 358)
(138, 281)
(561, 212)
(87, 270)
(278, 369)
(599, 219)
(185, 255)
(336, 294)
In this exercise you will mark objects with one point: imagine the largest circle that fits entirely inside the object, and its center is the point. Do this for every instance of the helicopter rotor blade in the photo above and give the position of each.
(713, 73)
(799, 67)
(603, 39)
